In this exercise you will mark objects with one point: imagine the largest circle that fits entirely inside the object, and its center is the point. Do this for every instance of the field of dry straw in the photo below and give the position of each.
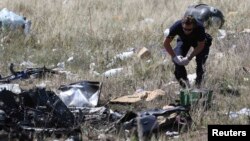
(93, 31)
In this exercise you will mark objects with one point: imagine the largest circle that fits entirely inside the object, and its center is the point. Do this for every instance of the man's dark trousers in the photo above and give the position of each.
(182, 48)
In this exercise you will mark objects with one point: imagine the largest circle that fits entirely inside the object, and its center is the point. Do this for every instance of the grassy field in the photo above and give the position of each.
(94, 31)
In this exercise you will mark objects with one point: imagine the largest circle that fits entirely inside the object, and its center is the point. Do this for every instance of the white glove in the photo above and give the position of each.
(178, 59)
(184, 61)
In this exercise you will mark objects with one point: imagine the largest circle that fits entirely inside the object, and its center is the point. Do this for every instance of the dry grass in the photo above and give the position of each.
(93, 31)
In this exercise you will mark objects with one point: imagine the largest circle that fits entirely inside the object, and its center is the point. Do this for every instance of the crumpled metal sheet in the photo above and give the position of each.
(48, 102)
(12, 21)
(81, 94)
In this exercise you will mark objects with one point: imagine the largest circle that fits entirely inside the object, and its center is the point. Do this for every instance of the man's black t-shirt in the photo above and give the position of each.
(198, 33)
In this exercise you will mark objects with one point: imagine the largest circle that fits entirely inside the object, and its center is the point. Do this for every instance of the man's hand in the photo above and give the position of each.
(178, 60)
(185, 61)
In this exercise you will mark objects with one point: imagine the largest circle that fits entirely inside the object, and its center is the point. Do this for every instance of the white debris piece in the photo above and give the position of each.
(125, 55)
(61, 65)
(11, 87)
(191, 78)
(41, 85)
(165, 61)
(27, 26)
(27, 64)
(173, 133)
(245, 79)
(69, 75)
(92, 70)
(246, 30)
(12, 21)
(112, 72)
(70, 59)
(148, 21)
(222, 34)
(171, 82)
(122, 56)
(109, 73)
(244, 111)
(149, 61)
(139, 90)
(219, 55)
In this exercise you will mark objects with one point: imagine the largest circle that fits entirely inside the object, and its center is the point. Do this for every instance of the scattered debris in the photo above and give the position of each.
(41, 113)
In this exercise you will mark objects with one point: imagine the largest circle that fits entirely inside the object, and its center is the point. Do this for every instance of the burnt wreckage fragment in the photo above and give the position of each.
(37, 111)
(152, 121)
(26, 74)
(41, 112)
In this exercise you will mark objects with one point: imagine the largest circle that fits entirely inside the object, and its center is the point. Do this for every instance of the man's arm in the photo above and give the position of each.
(168, 47)
(197, 50)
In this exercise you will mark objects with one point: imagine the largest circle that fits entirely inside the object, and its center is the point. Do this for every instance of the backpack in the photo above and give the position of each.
(208, 15)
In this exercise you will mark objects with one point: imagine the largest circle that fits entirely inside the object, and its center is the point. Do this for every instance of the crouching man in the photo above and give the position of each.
(191, 33)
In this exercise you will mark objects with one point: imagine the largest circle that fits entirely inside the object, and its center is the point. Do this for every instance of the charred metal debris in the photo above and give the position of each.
(25, 74)
(39, 113)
